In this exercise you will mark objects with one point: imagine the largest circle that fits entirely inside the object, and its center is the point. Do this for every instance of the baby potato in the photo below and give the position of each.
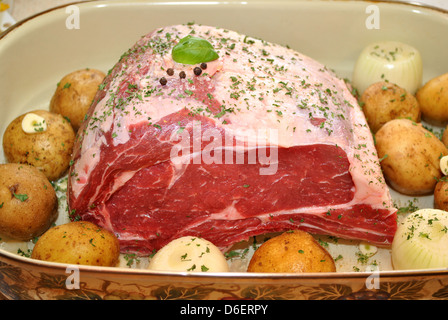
(384, 101)
(189, 253)
(410, 156)
(74, 94)
(294, 252)
(441, 195)
(48, 147)
(28, 202)
(79, 242)
(445, 136)
(433, 100)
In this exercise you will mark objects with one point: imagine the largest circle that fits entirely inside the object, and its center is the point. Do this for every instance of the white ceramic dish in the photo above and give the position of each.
(37, 52)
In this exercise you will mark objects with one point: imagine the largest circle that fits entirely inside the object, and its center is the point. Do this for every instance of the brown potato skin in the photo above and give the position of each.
(74, 94)
(410, 156)
(78, 242)
(445, 136)
(49, 151)
(433, 100)
(384, 101)
(291, 252)
(441, 195)
(25, 219)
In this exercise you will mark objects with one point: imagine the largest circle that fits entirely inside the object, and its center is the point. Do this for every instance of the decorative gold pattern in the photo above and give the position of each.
(21, 283)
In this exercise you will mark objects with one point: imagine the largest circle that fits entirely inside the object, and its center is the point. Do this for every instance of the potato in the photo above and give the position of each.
(48, 150)
(74, 94)
(28, 202)
(445, 136)
(79, 242)
(189, 254)
(433, 100)
(295, 251)
(384, 101)
(441, 195)
(410, 156)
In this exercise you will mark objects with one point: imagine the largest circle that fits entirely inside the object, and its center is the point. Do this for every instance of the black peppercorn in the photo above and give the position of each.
(170, 71)
(197, 71)
(203, 66)
(163, 81)
(182, 75)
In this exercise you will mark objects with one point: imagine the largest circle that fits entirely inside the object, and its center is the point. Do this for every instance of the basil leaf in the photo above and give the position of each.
(193, 50)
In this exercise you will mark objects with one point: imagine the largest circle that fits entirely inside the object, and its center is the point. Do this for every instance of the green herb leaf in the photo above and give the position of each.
(193, 50)
(21, 197)
(204, 268)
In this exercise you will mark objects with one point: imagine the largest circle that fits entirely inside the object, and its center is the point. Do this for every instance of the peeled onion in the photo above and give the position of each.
(391, 61)
(190, 254)
(421, 241)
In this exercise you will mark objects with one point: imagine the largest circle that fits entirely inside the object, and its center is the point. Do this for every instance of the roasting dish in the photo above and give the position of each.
(38, 51)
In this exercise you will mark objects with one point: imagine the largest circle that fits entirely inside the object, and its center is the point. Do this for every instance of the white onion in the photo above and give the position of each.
(391, 61)
(421, 241)
(190, 254)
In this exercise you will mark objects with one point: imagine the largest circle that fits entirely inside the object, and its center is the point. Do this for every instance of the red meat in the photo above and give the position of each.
(262, 139)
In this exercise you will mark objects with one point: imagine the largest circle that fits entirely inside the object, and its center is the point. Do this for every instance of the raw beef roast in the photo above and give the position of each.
(260, 139)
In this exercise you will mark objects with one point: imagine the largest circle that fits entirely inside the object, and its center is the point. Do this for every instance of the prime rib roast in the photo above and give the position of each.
(262, 139)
